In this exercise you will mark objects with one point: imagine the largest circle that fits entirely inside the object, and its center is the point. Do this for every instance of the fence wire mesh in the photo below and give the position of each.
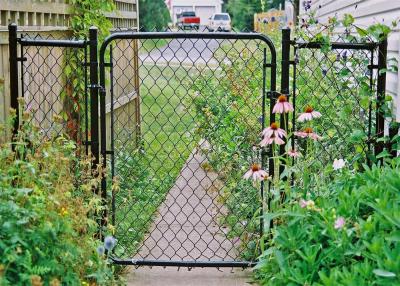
(53, 84)
(184, 119)
(340, 85)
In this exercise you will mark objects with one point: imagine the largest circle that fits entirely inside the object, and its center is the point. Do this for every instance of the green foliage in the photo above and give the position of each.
(85, 14)
(154, 15)
(88, 13)
(242, 13)
(307, 249)
(47, 209)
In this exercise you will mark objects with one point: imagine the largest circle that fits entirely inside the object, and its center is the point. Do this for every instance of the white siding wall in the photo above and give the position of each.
(367, 12)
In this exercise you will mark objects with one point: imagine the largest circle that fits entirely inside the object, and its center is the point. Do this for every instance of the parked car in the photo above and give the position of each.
(189, 20)
(220, 22)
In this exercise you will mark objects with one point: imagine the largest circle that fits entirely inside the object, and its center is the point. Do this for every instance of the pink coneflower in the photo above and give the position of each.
(269, 140)
(308, 114)
(310, 204)
(282, 106)
(340, 222)
(303, 203)
(293, 153)
(256, 173)
(274, 131)
(338, 164)
(308, 132)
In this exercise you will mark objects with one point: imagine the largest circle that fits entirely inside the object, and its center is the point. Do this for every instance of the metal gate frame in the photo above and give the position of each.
(272, 95)
(16, 46)
(97, 92)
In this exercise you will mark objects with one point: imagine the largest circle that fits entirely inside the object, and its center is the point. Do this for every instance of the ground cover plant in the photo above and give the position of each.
(339, 223)
(342, 233)
(47, 213)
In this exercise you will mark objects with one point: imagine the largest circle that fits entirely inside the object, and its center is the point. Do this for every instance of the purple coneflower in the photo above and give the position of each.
(308, 133)
(309, 114)
(282, 106)
(256, 173)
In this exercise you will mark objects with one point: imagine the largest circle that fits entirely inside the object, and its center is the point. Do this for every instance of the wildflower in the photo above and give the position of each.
(338, 164)
(274, 130)
(309, 114)
(63, 211)
(269, 140)
(310, 205)
(344, 56)
(282, 106)
(36, 280)
(303, 203)
(101, 250)
(109, 243)
(340, 222)
(256, 173)
(308, 132)
(55, 282)
(293, 153)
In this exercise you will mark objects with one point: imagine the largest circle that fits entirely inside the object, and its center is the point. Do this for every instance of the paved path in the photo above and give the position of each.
(187, 229)
(158, 276)
(184, 52)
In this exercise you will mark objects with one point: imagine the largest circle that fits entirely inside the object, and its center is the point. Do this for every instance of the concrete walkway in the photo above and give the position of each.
(187, 229)
(157, 276)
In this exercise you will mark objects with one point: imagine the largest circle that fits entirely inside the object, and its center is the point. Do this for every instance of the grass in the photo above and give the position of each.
(147, 173)
(149, 45)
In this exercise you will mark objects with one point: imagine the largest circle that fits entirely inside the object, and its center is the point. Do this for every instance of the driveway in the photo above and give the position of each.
(187, 52)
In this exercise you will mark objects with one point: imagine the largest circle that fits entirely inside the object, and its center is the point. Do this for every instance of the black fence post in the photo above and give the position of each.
(13, 53)
(94, 97)
(381, 90)
(285, 82)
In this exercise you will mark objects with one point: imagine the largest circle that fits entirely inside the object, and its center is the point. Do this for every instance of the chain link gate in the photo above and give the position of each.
(180, 116)
(56, 96)
(159, 127)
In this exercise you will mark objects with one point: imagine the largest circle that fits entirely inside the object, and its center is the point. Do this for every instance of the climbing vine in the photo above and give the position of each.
(85, 14)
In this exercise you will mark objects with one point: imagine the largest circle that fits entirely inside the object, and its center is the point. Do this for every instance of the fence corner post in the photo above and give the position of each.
(381, 90)
(13, 57)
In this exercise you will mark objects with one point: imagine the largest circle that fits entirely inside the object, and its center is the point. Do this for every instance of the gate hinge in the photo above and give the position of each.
(108, 65)
(22, 59)
(109, 152)
(373, 67)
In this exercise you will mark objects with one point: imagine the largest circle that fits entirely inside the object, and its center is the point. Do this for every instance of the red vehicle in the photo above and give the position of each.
(189, 20)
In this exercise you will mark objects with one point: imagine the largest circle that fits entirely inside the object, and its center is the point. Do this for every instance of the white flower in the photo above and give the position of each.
(338, 164)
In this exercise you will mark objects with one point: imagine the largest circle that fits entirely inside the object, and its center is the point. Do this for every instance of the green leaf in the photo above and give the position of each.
(384, 273)
(348, 20)
(362, 32)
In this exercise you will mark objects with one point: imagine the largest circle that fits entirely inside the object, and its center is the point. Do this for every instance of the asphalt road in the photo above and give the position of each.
(184, 51)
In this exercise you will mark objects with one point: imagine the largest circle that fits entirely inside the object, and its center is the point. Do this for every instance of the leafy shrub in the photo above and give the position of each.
(309, 247)
(47, 209)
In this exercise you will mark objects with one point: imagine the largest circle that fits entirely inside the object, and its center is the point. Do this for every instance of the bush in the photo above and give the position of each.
(47, 209)
(311, 246)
